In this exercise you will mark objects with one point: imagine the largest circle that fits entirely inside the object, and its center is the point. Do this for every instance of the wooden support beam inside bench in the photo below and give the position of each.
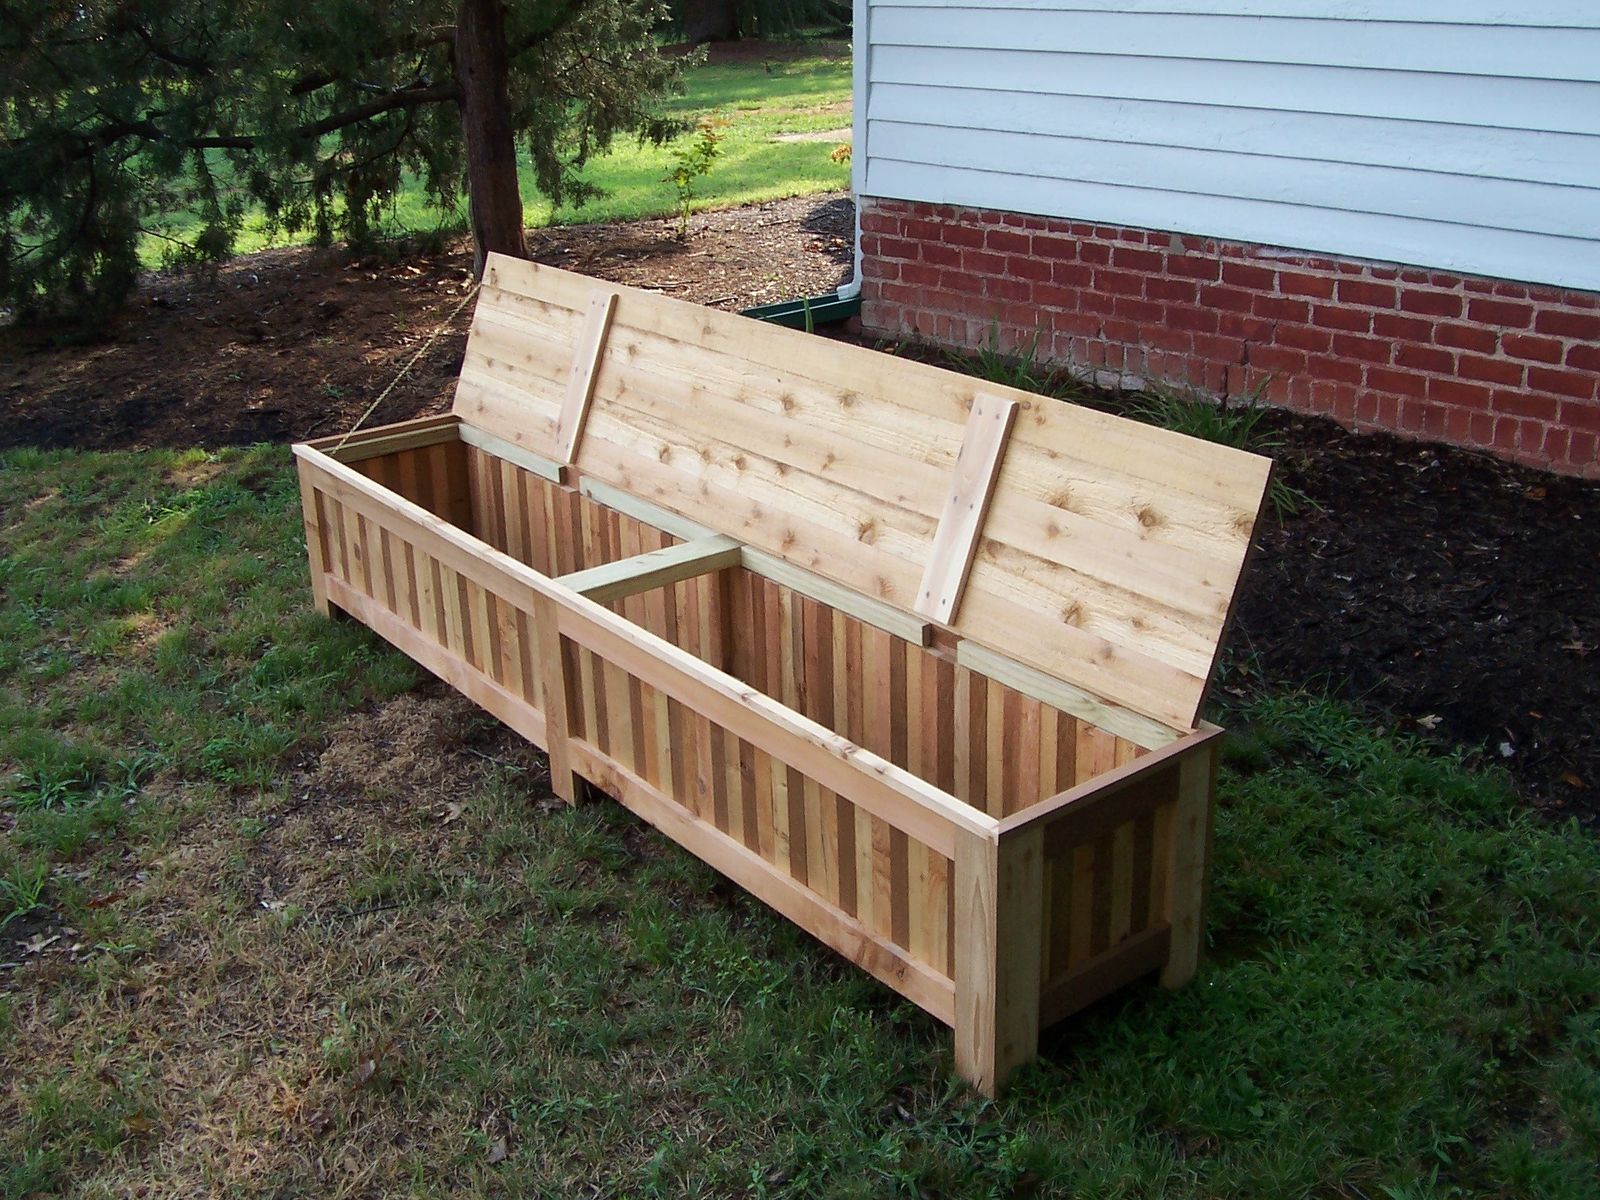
(983, 446)
(580, 385)
(654, 569)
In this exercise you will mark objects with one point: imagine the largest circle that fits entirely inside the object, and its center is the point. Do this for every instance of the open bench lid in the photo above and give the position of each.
(1109, 552)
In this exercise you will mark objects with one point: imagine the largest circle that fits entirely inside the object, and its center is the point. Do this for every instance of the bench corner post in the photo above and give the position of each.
(1189, 868)
(999, 933)
(316, 537)
(555, 693)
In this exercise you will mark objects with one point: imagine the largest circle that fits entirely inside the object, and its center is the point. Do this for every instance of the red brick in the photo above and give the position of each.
(1366, 349)
(1188, 266)
(1049, 296)
(1226, 299)
(1360, 291)
(1161, 287)
(1500, 313)
(1303, 337)
(1335, 370)
(1393, 325)
(1349, 320)
(1584, 356)
(1036, 269)
(1245, 276)
(1437, 304)
(1281, 308)
(1006, 241)
(1278, 359)
(1095, 252)
(1465, 337)
(1523, 404)
(1534, 349)
(1580, 416)
(877, 268)
(1003, 287)
(1568, 324)
(961, 235)
(1294, 284)
(1199, 320)
(940, 254)
(978, 262)
(1425, 358)
(1165, 337)
(920, 274)
(1054, 247)
(1219, 349)
(961, 281)
(921, 229)
(1118, 283)
(1562, 383)
(1133, 308)
(1136, 260)
(1243, 326)
(1399, 383)
(1072, 274)
(1490, 370)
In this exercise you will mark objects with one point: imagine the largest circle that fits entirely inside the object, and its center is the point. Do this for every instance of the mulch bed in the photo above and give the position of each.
(1452, 593)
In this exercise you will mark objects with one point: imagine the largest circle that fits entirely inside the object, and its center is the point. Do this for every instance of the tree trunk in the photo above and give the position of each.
(481, 73)
(708, 20)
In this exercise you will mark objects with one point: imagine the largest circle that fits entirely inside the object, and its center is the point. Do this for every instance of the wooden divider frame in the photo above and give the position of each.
(1041, 902)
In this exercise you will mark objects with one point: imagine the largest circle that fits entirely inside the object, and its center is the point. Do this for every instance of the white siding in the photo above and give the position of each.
(1458, 134)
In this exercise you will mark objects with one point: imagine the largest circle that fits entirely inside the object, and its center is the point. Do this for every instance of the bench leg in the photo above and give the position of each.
(1188, 871)
(555, 696)
(999, 930)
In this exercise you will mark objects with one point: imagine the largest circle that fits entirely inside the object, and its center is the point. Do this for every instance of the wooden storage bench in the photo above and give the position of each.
(915, 659)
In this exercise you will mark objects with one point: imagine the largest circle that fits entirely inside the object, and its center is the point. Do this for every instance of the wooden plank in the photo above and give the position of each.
(510, 452)
(1105, 973)
(1084, 797)
(1113, 718)
(585, 365)
(1184, 909)
(506, 705)
(653, 569)
(999, 903)
(316, 537)
(983, 448)
(388, 439)
(918, 982)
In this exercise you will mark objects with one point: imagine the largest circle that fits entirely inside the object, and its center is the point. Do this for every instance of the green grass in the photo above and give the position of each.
(760, 101)
(333, 942)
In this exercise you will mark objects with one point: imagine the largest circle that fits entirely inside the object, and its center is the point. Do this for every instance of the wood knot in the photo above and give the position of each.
(739, 462)
(1052, 530)
(1061, 499)
(1072, 614)
(847, 399)
(1149, 517)
(786, 402)
(789, 538)
(663, 452)
(867, 531)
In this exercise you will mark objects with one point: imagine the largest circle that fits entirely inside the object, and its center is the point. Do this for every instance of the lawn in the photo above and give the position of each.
(320, 932)
(760, 101)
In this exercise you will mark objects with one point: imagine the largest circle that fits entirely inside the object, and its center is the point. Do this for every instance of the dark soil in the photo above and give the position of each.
(1451, 593)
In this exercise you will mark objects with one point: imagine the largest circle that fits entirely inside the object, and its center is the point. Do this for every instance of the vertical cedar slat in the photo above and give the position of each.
(1139, 885)
(720, 793)
(1100, 897)
(994, 748)
(1121, 920)
(407, 484)
(1082, 905)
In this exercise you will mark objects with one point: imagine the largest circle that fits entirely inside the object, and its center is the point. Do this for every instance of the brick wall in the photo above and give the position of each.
(1500, 366)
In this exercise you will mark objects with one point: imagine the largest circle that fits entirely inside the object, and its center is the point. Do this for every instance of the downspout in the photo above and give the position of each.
(845, 302)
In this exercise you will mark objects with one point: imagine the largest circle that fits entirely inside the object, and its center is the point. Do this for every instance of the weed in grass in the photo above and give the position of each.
(1228, 423)
(21, 890)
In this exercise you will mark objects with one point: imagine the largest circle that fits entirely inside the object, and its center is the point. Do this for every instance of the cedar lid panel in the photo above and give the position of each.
(1110, 551)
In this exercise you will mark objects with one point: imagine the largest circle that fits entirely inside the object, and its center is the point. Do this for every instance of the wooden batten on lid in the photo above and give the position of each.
(1099, 551)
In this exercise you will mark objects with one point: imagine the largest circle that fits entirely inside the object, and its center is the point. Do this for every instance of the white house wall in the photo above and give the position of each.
(1461, 136)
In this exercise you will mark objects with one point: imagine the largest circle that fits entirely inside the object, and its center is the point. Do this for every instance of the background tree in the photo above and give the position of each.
(701, 21)
(114, 113)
